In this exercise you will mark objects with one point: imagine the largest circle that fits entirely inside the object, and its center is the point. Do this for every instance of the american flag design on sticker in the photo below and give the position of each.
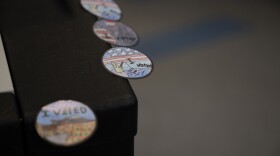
(127, 63)
(66, 123)
(105, 35)
(106, 9)
(110, 23)
(115, 33)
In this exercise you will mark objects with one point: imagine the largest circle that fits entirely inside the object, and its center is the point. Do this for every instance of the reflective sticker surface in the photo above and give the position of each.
(65, 123)
(127, 63)
(106, 9)
(115, 33)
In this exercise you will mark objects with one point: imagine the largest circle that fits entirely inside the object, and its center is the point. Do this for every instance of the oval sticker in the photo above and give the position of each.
(65, 122)
(106, 9)
(115, 33)
(127, 63)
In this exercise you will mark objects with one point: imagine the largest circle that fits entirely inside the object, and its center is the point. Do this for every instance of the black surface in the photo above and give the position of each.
(123, 147)
(54, 55)
(10, 127)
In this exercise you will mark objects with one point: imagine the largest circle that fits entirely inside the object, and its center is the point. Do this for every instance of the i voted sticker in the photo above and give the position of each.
(115, 33)
(66, 123)
(127, 63)
(106, 9)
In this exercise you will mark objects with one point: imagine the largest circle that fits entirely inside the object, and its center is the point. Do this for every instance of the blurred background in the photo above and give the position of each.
(215, 89)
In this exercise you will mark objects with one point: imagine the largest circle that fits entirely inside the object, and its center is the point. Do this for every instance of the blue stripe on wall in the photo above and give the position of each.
(170, 42)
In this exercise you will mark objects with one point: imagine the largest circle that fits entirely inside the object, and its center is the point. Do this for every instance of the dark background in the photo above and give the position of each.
(215, 89)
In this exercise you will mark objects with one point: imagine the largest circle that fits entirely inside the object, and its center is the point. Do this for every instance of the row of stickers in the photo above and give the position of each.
(120, 60)
(70, 122)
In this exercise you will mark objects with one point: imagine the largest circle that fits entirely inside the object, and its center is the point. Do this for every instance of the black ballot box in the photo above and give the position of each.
(53, 55)
(11, 142)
